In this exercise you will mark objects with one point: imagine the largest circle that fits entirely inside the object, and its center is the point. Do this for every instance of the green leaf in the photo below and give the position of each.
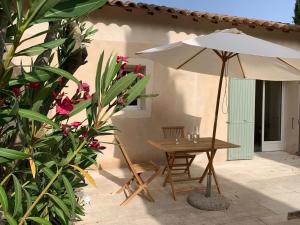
(118, 87)
(14, 104)
(47, 141)
(34, 76)
(104, 130)
(5, 4)
(73, 141)
(60, 214)
(10, 219)
(28, 199)
(40, 48)
(98, 78)
(60, 204)
(3, 199)
(12, 154)
(112, 71)
(137, 89)
(104, 75)
(60, 72)
(46, 6)
(29, 114)
(18, 195)
(49, 173)
(39, 220)
(72, 9)
(19, 9)
(3, 160)
(40, 96)
(80, 106)
(70, 192)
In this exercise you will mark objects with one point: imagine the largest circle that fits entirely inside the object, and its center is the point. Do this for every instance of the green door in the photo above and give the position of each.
(241, 118)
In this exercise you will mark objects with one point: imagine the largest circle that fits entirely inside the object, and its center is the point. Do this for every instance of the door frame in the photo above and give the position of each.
(273, 145)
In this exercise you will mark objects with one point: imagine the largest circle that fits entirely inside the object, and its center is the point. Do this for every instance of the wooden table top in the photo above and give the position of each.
(184, 145)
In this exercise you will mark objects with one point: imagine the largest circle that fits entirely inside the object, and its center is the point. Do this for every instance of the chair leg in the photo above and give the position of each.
(165, 168)
(148, 195)
(168, 177)
(125, 185)
(136, 192)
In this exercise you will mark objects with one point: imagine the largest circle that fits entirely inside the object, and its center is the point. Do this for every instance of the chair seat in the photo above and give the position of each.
(143, 167)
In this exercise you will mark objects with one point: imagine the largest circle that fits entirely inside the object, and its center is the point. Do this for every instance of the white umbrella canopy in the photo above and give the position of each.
(253, 58)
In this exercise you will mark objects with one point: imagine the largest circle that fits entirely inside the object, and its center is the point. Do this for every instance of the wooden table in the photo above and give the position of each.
(169, 146)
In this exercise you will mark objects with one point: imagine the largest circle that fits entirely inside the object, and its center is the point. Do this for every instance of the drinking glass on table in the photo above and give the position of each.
(190, 137)
(196, 138)
(177, 141)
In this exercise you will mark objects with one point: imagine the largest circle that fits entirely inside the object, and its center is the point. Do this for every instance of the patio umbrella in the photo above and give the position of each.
(232, 52)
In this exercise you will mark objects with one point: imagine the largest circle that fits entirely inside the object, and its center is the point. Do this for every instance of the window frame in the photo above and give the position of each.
(143, 108)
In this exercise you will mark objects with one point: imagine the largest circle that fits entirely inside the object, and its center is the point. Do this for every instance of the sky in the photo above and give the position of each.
(275, 10)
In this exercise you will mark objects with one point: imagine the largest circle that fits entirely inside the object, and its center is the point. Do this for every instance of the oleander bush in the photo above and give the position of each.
(43, 156)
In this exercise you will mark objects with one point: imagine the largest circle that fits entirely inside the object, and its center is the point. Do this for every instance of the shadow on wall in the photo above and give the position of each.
(167, 109)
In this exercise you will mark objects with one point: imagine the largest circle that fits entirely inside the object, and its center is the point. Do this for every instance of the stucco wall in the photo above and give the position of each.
(184, 98)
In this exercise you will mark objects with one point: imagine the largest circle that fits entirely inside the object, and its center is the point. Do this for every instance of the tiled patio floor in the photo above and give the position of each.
(261, 191)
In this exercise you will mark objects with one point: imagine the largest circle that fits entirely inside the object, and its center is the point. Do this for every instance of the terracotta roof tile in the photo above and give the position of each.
(214, 18)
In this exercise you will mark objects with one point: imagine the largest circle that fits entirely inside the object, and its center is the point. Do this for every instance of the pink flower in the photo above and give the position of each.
(59, 97)
(83, 134)
(75, 124)
(122, 59)
(60, 80)
(87, 96)
(34, 85)
(137, 68)
(16, 90)
(83, 87)
(64, 107)
(121, 101)
(66, 130)
(95, 144)
(141, 76)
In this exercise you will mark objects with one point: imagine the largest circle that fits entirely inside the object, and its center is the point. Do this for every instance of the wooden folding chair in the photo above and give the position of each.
(177, 132)
(137, 170)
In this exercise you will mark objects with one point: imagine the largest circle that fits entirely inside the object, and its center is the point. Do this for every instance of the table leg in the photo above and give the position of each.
(216, 180)
(168, 178)
(206, 169)
(210, 170)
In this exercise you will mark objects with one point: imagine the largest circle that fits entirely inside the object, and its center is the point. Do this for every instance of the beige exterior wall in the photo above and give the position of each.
(184, 98)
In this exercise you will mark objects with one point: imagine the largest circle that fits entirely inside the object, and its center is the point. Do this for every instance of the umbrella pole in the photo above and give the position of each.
(224, 59)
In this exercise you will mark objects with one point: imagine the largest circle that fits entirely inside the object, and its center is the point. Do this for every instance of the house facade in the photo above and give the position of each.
(258, 115)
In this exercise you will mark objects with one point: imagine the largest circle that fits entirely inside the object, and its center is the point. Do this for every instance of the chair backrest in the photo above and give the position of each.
(173, 132)
(124, 153)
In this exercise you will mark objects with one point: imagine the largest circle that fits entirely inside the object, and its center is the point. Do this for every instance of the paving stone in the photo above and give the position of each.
(261, 192)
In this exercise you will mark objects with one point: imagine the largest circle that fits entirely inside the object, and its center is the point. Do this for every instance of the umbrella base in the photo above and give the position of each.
(216, 202)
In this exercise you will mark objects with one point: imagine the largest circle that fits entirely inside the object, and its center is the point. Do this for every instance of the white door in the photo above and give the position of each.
(272, 116)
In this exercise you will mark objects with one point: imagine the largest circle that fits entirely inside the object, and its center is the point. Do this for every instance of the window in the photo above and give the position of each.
(138, 103)
(141, 107)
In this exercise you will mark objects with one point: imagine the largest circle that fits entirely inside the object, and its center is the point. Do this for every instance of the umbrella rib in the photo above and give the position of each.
(239, 60)
(188, 60)
(281, 60)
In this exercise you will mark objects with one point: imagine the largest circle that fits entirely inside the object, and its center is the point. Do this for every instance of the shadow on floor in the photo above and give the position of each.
(261, 191)
(281, 157)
